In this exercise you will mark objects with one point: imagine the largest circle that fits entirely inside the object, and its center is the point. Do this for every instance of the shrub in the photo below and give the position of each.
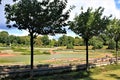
(46, 52)
(25, 53)
(98, 45)
(111, 44)
(37, 52)
(70, 46)
(96, 42)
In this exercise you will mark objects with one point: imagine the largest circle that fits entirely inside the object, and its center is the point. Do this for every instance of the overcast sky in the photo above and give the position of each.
(111, 7)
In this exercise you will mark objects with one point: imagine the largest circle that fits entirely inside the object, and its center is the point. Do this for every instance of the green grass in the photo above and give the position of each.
(5, 48)
(40, 55)
(19, 59)
(109, 72)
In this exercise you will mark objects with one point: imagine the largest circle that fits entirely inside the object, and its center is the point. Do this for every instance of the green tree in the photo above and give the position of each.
(96, 42)
(52, 42)
(38, 17)
(62, 41)
(70, 40)
(70, 46)
(78, 41)
(111, 44)
(24, 40)
(15, 40)
(45, 40)
(4, 37)
(105, 38)
(113, 31)
(56, 43)
(38, 41)
(89, 24)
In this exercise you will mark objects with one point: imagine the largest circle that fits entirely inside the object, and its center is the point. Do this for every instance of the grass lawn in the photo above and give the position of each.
(41, 58)
(109, 72)
(38, 59)
(108, 75)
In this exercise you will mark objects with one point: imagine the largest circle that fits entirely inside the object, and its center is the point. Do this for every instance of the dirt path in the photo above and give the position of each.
(53, 52)
(6, 55)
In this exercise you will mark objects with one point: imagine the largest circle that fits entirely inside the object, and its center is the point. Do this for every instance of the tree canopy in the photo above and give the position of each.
(42, 17)
(88, 24)
(113, 31)
(38, 17)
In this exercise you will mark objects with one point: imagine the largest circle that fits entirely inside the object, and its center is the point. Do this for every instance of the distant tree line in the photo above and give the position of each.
(44, 41)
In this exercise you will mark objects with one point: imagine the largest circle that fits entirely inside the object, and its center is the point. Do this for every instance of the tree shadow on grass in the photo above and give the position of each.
(76, 75)
(79, 74)
(114, 76)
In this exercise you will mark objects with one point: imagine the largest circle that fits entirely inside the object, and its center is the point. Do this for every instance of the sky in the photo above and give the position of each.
(110, 6)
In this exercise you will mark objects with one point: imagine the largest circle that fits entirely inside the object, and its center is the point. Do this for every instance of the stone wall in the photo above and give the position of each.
(25, 71)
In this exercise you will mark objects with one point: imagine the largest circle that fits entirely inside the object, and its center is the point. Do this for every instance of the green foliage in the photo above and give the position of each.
(53, 42)
(111, 44)
(113, 29)
(70, 46)
(42, 17)
(38, 41)
(98, 45)
(96, 42)
(64, 40)
(4, 37)
(45, 52)
(19, 49)
(89, 23)
(70, 40)
(38, 17)
(11, 40)
(3, 45)
(36, 52)
(105, 38)
(78, 41)
(45, 40)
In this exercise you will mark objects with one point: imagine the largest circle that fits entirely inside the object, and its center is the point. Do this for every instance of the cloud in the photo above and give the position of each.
(109, 5)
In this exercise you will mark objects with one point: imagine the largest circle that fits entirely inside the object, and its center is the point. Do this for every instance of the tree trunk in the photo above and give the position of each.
(32, 58)
(116, 52)
(87, 60)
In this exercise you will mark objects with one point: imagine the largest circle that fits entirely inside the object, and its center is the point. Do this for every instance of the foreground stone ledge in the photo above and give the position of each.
(25, 71)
